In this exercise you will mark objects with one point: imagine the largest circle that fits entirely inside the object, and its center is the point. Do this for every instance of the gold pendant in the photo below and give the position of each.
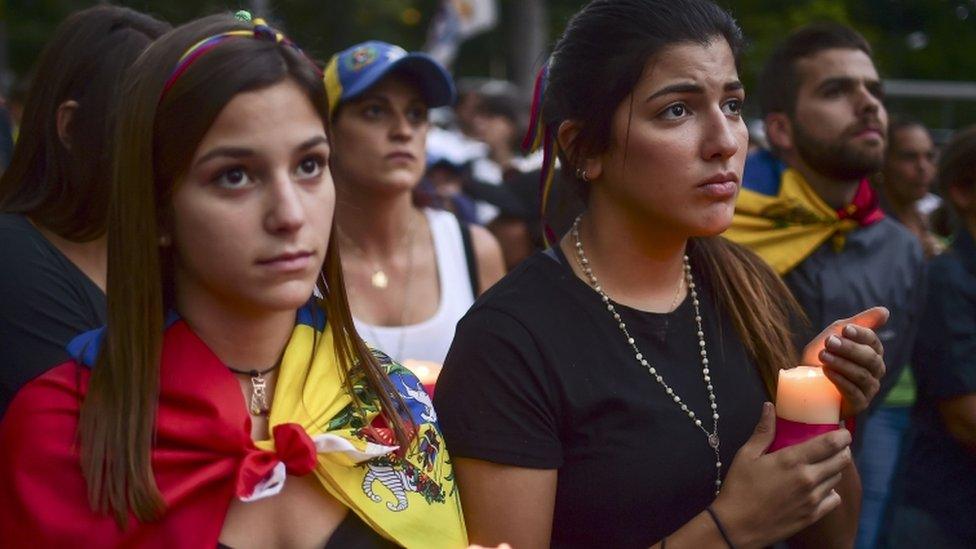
(379, 280)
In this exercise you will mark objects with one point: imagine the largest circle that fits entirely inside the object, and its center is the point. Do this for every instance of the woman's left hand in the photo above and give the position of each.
(852, 356)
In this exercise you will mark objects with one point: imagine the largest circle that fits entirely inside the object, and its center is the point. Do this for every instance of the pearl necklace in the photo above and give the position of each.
(711, 437)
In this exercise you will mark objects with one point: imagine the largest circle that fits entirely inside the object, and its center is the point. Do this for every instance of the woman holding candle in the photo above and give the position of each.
(248, 415)
(610, 391)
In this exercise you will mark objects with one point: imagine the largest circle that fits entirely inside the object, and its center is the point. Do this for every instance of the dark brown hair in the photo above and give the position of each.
(602, 53)
(155, 142)
(779, 81)
(65, 190)
(763, 310)
(957, 163)
(595, 66)
(899, 122)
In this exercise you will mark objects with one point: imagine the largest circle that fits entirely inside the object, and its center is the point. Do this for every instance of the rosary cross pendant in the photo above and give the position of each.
(713, 441)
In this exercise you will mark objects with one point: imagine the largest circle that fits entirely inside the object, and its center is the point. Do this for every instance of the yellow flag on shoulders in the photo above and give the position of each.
(785, 229)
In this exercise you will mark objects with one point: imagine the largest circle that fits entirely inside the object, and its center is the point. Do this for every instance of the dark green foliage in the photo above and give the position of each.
(325, 26)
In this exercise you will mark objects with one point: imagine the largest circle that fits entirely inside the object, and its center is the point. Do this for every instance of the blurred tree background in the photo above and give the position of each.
(913, 39)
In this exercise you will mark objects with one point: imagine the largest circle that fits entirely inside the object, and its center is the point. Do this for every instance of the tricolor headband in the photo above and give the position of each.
(541, 135)
(261, 31)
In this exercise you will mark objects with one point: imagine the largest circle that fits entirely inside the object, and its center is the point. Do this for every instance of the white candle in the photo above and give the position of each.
(425, 370)
(805, 395)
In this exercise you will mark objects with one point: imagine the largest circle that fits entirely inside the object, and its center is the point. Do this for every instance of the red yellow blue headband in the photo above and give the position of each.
(261, 31)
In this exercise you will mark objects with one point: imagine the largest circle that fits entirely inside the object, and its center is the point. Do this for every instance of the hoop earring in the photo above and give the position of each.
(581, 174)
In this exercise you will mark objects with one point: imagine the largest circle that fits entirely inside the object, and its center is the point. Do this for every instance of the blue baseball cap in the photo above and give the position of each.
(353, 71)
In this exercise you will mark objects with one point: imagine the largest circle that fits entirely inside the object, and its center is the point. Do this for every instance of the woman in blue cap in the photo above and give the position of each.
(411, 272)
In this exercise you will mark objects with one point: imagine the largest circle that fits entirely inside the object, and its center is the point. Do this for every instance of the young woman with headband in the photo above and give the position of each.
(220, 405)
(610, 392)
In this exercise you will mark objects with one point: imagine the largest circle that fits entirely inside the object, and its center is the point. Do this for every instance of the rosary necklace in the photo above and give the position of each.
(711, 437)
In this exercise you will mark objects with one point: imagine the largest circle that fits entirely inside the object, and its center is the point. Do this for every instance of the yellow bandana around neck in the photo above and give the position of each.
(785, 229)
(411, 500)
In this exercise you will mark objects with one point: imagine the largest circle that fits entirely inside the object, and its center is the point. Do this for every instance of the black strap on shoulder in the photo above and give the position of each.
(469, 256)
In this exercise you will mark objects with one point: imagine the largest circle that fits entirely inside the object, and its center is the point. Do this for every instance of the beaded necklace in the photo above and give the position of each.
(711, 437)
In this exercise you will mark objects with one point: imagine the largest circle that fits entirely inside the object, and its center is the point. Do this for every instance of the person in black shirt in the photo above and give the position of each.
(936, 491)
(610, 391)
(54, 194)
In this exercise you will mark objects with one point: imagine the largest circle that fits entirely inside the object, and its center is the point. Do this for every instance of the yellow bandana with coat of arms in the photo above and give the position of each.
(785, 229)
(410, 498)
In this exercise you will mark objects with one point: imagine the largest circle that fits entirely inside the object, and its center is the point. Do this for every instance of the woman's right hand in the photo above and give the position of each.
(769, 497)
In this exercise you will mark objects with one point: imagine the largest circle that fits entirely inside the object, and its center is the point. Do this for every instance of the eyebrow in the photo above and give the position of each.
(384, 98)
(836, 81)
(846, 81)
(370, 97)
(243, 152)
(688, 87)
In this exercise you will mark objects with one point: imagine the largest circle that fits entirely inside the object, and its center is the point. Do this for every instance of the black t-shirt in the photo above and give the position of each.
(940, 473)
(540, 376)
(45, 301)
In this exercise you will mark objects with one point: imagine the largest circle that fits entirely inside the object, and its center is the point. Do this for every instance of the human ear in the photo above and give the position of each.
(64, 115)
(779, 131)
(587, 168)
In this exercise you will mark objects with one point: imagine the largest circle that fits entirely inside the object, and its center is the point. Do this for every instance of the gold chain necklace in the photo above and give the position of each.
(406, 304)
(379, 279)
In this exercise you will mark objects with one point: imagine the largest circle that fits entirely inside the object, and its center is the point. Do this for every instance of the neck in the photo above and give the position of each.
(836, 193)
(903, 210)
(637, 263)
(374, 223)
(242, 338)
(90, 257)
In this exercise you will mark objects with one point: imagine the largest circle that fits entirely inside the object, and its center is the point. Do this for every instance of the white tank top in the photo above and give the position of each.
(431, 338)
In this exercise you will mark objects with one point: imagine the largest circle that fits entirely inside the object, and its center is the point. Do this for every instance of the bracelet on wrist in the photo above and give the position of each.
(721, 527)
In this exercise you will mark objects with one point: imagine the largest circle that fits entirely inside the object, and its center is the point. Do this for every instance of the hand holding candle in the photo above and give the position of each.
(851, 354)
(807, 404)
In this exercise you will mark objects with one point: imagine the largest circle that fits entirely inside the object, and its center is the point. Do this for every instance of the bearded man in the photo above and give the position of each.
(807, 208)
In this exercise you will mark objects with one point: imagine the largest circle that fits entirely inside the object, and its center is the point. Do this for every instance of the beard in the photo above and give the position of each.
(837, 159)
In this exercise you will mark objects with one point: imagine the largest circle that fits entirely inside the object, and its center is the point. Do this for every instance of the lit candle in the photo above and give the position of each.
(807, 404)
(426, 371)
(805, 395)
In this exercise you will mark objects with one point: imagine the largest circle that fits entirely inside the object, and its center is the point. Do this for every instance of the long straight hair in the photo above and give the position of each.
(66, 189)
(156, 138)
(595, 66)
